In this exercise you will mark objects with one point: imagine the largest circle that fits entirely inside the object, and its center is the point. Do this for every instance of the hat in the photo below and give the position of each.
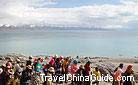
(56, 55)
(61, 57)
(51, 69)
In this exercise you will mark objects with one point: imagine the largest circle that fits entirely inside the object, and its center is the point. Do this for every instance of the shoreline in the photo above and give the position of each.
(114, 60)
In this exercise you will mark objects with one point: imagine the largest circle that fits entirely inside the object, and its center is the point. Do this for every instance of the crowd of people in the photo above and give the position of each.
(29, 73)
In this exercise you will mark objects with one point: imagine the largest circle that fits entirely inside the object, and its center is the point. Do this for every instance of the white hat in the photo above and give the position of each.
(56, 56)
(51, 69)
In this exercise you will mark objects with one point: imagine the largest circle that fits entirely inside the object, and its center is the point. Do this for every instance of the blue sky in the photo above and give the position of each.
(75, 3)
(109, 14)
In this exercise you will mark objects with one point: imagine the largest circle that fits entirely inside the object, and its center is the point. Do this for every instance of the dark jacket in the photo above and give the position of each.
(26, 75)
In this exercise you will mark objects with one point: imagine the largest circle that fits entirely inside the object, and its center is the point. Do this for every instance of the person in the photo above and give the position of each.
(17, 74)
(121, 65)
(74, 69)
(36, 79)
(3, 75)
(58, 68)
(10, 73)
(117, 75)
(50, 73)
(9, 64)
(46, 60)
(65, 68)
(87, 71)
(26, 76)
(45, 70)
(29, 62)
(52, 62)
(57, 65)
(97, 75)
(129, 72)
(38, 66)
(80, 72)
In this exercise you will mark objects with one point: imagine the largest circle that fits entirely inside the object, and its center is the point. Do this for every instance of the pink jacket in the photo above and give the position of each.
(74, 69)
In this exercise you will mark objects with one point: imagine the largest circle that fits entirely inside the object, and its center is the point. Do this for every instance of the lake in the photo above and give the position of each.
(83, 43)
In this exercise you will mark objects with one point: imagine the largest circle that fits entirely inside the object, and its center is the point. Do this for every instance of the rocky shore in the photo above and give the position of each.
(105, 64)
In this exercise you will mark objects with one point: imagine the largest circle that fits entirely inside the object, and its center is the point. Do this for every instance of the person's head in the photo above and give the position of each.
(9, 65)
(46, 58)
(96, 69)
(57, 59)
(75, 62)
(30, 57)
(121, 65)
(66, 59)
(51, 70)
(22, 65)
(48, 66)
(88, 63)
(38, 60)
(81, 67)
(129, 68)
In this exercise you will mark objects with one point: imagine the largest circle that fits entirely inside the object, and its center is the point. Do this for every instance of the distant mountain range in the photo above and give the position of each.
(5, 28)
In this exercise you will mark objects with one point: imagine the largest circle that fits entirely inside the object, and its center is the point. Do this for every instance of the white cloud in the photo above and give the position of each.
(35, 12)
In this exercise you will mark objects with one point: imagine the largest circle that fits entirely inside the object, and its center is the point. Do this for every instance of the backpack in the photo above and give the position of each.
(38, 67)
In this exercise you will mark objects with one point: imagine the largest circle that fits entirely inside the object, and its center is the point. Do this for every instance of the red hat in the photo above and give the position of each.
(35, 60)
(61, 57)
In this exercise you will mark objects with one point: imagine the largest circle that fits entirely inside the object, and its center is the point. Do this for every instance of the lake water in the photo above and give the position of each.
(88, 43)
